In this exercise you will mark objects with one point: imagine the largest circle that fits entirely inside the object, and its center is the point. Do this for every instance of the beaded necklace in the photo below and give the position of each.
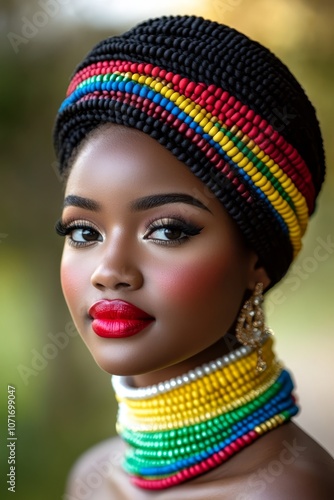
(186, 426)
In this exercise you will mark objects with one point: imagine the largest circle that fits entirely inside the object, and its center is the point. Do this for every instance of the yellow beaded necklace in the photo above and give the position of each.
(185, 426)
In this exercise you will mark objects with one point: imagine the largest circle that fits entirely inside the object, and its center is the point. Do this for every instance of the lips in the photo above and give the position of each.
(118, 319)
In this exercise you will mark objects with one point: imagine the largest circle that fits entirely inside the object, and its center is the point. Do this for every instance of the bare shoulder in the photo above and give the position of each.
(285, 463)
(290, 465)
(91, 473)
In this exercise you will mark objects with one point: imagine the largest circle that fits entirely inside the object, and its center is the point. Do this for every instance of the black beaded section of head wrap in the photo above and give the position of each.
(263, 119)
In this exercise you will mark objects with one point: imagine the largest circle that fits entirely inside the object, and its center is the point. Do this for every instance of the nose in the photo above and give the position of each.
(117, 268)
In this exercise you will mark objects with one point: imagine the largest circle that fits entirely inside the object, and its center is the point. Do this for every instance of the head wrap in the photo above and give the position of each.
(222, 104)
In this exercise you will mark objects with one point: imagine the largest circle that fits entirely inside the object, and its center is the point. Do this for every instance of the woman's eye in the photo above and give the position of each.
(84, 235)
(167, 233)
(171, 232)
(78, 233)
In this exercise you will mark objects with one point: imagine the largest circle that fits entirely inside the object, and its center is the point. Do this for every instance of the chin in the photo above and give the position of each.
(121, 366)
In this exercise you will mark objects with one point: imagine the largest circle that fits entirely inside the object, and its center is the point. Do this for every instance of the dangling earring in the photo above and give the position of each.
(251, 330)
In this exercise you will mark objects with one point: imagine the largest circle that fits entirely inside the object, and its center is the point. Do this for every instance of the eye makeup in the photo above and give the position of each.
(173, 230)
(86, 233)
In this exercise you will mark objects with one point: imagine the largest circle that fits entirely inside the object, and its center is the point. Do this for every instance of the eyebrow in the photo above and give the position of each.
(79, 201)
(144, 203)
(157, 200)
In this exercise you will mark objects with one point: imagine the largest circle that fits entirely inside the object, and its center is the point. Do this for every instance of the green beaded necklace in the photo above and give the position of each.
(186, 426)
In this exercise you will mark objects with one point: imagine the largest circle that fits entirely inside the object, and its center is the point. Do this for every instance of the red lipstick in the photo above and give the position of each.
(118, 319)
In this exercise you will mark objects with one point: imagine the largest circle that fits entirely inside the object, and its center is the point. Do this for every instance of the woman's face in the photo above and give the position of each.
(143, 230)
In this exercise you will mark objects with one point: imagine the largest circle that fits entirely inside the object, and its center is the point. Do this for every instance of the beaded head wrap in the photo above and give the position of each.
(222, 104)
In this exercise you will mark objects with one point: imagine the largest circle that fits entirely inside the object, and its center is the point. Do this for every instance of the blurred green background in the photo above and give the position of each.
(64, 402)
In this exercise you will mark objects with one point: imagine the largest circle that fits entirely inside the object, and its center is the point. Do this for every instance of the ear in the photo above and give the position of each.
(257, 273)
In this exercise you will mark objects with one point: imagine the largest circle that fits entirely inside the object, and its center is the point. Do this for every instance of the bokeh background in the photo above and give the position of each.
(64, 402)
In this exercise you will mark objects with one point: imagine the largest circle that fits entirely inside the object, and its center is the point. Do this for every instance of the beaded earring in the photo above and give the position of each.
(251, 329)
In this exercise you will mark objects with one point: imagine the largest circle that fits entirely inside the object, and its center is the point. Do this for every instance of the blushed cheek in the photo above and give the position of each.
(70, 283)
(194, 282)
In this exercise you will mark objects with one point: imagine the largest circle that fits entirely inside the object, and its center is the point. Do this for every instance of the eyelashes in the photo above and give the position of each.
(61, 229)
(65, 228)
(171, 230)
(79, 233)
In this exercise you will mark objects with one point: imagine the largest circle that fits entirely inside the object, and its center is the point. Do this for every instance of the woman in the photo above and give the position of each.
(186, 199)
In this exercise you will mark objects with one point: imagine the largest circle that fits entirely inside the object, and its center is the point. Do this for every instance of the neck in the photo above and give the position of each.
(224, 346)
(185, 426)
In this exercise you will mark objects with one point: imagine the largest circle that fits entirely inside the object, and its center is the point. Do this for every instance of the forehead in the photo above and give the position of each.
(120, 159)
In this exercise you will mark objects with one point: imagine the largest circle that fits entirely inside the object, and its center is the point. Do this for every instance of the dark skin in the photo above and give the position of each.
(284, 464)
(192, 284)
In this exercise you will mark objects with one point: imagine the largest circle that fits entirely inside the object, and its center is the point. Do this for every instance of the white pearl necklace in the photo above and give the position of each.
(124, 390)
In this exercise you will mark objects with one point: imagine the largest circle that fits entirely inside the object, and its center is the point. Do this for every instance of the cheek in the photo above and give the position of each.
(71, 280)
(201, 281)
